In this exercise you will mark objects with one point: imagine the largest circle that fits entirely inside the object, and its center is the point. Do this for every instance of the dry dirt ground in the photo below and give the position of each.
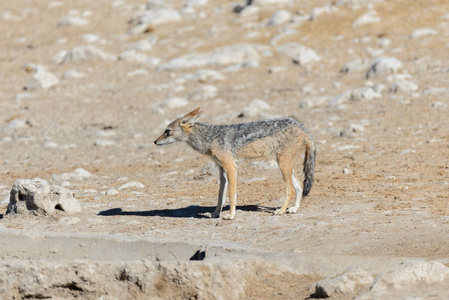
(380, 190)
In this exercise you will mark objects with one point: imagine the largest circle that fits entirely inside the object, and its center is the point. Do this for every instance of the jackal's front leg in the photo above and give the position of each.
(221, 193)
(231, 173)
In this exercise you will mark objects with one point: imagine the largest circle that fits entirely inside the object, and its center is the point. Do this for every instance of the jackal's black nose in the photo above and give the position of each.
(155, 142)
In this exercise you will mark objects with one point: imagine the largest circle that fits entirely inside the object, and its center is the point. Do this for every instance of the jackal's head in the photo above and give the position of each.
(179, 129)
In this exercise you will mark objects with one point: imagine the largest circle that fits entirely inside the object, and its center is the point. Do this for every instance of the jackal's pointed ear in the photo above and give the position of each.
(191, 117)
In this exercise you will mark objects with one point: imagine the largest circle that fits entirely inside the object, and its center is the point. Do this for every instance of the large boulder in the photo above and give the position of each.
(39, 198)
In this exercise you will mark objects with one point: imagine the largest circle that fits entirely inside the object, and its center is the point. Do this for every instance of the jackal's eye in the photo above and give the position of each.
(167, 132)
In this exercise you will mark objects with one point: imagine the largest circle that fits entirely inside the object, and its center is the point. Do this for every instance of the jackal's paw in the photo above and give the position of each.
(292, 210)
(212, 215)
(278, 212)
(228, 217)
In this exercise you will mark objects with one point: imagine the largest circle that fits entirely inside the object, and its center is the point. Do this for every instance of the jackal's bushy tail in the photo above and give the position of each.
(309, 167)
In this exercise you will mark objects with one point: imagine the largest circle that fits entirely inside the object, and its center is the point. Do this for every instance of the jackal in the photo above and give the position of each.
(284, 137)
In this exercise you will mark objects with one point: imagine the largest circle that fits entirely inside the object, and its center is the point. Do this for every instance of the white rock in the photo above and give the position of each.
(15, 124)
(279, 17)
(104, 143)
(90, 38)
(406, 86)
(273, 2)
(313, 102)
(439, 104)
(73, 74)
(410, 274)
(343, 284)
(352, 130)
(50, 144)
(204, 92)
(265, 165)
(171, 103)
(111, 192)
(249, 10)
(81, 54)
(257, 107)
(355, 65)
(133, 56)
(195, 3)
(223, 56)
(205, 75)
(41, 78)
(363, 93)
(131, 185)
(8, 16)
(436, 91)
(280, 36)
(73, 21)
(154, 17)
(139, 72)
(145, 44)
(78, 174)
(317, 11)
(69, 221)
(36, 196)
(383, 65)
(368, 18)
(423, 32)
(300, 54)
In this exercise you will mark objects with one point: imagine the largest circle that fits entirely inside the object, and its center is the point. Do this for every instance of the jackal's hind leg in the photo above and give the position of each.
(285, 161)
(298, 192)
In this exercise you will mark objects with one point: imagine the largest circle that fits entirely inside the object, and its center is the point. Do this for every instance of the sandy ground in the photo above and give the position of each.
(379, 192)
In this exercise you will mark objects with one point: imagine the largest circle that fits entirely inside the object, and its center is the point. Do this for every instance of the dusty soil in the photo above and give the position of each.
(390, 202)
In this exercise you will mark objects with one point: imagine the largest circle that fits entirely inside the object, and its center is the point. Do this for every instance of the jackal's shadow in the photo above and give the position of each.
(191, 211)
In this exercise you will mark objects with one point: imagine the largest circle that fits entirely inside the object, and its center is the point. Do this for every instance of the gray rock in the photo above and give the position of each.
(383, 65)
(41, 79)
(81, 54)
(38, 197)
(344, 284)
(300, 54)
(219, 57)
